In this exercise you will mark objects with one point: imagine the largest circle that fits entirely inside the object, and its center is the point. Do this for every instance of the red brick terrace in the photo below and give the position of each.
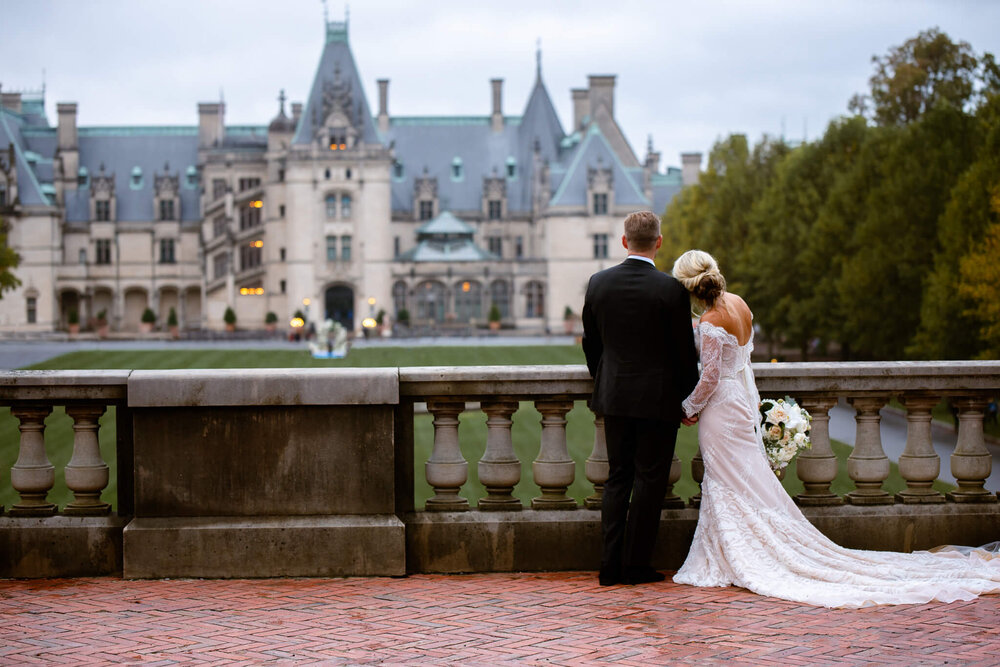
(486, 619)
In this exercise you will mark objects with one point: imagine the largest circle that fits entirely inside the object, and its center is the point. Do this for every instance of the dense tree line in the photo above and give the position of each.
(883, 235)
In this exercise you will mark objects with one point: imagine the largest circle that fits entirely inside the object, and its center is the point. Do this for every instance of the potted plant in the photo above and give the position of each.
(403, 317)
(102, 323)
(148, 320)
(172, 323)
(271, 321)
(494, 317)
(569, 320)
(73, 322)
(380, 321)
(230, 319)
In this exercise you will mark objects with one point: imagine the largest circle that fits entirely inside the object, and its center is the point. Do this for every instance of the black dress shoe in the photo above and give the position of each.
(609, 577)
(642, 575)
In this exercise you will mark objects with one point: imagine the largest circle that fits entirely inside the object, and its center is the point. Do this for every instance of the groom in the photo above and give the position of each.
(639, 344)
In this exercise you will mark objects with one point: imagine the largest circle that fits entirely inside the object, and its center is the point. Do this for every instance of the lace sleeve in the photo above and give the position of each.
(711, 367)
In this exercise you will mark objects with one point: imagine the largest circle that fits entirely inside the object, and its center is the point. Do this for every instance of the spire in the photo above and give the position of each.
(538, 59)
(281, 102)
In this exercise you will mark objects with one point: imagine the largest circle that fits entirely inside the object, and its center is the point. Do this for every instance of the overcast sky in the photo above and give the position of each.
(688, 72)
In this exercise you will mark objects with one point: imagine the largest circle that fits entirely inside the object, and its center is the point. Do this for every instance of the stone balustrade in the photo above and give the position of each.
(312, 472)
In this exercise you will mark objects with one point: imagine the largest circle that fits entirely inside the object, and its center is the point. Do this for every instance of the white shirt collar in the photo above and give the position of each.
(640, 257)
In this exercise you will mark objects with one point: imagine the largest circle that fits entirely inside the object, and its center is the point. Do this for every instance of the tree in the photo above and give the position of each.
(979, 282)
(925, 70)
(8, 260)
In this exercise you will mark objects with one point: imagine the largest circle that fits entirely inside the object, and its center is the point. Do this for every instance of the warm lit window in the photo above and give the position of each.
(102, 210)
(338, 139)
(167, 251)
(495, 209)
(102, 251)
(166, 209)
(345, 248)
(426, 209)
(600, 203)
(600, 246)
(331, 248)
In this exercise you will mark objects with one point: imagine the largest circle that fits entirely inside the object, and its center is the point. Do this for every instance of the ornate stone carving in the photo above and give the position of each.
(102, 185)
(166, 185)
(425, 187)
(337, 96)
(599, 179)
(494, 187)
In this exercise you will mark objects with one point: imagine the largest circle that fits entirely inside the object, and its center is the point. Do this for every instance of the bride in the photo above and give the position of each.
(750, 533)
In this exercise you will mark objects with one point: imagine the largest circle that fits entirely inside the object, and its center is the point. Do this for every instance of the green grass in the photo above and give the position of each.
(472, 429)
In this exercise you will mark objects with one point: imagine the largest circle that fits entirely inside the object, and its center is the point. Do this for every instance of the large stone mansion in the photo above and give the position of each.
(330, 209)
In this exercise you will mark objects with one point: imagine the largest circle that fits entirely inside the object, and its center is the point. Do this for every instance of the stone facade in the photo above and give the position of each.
(321, 210)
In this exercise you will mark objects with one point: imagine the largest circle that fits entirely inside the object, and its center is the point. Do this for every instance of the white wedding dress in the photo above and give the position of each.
(751, 534)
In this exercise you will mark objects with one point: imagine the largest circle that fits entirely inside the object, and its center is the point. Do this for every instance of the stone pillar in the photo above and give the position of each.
(86, 472)
(553, 470)
(597, 466)
(698, 474)
(32, 475)
(868, 466)
(919, 464)
(817, 466)
(971, 463)
(446, 470)
(671, 501)
(499, 469)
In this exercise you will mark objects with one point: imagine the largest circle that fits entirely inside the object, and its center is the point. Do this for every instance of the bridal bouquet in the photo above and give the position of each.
(785, 428)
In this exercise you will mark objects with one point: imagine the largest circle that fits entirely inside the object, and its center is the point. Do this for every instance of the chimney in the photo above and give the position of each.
(496, 118)
(602, 91)
(296, 112)
(66, 132)
(11, 101)
(690, 168)
(383, 105)
(581, 107)
(210, 124)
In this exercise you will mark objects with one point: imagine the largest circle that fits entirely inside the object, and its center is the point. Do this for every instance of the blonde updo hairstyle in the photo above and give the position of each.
(699, 273)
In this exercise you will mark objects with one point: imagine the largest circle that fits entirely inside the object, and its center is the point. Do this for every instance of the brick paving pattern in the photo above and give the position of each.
(560, 618)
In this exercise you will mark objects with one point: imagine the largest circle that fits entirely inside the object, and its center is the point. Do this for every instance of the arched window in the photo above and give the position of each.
(468, 300)
(511, 167)
(136, 181)
(431, 298)
(345, 207)
(500, 295)
(331, 206)
(82, 178)
(534, 299)
(457, 171)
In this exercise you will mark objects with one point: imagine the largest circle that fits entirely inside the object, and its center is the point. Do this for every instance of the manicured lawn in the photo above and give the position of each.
(472, 429)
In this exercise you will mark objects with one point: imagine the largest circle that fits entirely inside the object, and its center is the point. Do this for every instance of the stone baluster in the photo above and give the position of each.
(499, 469)
(971, 463)
(698, 474)
(597, 466)
(919, 464)
(446, 469)
(86, 472)
(32, 475)
(817, 466)
(553, 470)
(671, 501)
(868, 466)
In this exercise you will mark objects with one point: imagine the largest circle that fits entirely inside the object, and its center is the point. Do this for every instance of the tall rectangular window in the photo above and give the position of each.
(102, 251)
(102, 210)
(249, 183)
(495, 245)
(167, 251)
(345, 207)
(518, 247)
(282, 284)
(249, 217)
(82, 256)
(331, 206)
(395, 246)
(32, 309)
(600, 246)
(345, 248)
(218, 188)
(3, 195)
(281, 211)
(331, 248)
(250, 257)
(426, 209)
(495, 209)
(600, 203)
(219, 225)
(166, 209)
(220, 264)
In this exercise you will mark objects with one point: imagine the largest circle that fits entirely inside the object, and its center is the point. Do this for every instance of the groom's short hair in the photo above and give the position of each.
(642, 228)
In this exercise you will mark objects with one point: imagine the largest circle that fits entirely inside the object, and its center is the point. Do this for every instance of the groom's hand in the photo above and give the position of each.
(690, 421)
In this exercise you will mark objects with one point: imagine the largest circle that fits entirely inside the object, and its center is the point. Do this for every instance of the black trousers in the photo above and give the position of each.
(639, 455)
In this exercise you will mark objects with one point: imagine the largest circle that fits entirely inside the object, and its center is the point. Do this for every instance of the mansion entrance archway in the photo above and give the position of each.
(339, 303)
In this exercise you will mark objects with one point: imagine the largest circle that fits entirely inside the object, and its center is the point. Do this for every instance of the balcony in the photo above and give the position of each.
(313, 472)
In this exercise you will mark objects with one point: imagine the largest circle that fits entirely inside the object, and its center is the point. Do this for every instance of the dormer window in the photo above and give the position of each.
(82, 178)
(600, 203)
(102, 210)
(191, 177)
(397, 170)
(511, 167)
(136, 181)
(166, 209)
(457, 171)
(338, 139)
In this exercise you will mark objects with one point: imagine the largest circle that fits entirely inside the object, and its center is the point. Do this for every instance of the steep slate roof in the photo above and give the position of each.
(336, 63)
(595, 152)
(30, 192)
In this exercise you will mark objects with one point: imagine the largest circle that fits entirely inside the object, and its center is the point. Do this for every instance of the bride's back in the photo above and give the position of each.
(732, 314)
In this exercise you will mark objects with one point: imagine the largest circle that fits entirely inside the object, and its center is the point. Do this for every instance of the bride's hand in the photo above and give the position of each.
(690, 421)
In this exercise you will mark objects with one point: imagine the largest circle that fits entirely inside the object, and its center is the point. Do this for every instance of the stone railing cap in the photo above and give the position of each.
(272, 386)
(77, 385)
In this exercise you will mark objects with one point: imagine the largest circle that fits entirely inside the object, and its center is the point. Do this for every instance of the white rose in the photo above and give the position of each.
(777, 414)
(800, 439)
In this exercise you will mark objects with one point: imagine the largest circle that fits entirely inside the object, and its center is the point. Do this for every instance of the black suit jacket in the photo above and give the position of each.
(639, 342)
